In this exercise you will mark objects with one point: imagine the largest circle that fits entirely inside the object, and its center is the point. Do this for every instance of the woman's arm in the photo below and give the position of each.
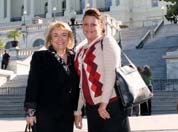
(111, 60)
(33, 82)
(78, 113)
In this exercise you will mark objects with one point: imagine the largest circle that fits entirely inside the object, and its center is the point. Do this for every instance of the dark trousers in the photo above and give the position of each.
(4, 65)
(117, 123)
(54, 123)
(146, 108)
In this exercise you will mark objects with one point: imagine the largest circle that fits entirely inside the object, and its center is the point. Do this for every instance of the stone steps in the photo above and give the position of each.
(164, 102)
(151, 57)
(167, 30)
(11, 106)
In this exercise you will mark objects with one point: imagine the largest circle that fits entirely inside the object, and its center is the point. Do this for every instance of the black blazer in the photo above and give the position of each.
(49, 87)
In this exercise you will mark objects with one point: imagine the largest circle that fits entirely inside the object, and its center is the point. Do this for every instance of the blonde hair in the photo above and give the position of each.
(62, 26)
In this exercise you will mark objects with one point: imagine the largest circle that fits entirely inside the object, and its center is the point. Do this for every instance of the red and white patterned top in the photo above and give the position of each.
(96, 67)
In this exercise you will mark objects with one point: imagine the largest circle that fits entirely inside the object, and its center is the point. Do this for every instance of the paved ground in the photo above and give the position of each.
(156, 123)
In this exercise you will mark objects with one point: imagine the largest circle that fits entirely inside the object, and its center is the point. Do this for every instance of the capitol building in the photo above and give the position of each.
(131, 12)
(32, 17)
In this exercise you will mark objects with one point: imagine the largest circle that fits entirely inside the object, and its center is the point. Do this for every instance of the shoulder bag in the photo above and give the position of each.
(129, 85)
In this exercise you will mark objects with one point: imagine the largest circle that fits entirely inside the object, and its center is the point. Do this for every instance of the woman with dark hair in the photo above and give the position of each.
(52, 88)
(95, 62)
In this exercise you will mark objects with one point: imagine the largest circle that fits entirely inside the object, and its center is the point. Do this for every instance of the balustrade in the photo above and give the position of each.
(22, 52)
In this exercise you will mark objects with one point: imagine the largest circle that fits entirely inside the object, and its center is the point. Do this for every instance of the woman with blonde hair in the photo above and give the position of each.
(52, 88)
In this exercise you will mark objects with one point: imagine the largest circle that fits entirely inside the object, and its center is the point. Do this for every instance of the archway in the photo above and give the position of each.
(38, 42)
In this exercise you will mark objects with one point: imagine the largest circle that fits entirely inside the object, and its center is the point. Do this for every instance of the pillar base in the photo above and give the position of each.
(67, 13)
(48, 15)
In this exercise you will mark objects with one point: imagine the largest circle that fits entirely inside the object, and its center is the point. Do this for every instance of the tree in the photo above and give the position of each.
(172, 10)
(2, 44)
(14, 35)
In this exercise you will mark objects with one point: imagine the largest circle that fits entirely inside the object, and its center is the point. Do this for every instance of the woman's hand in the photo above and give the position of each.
(103, 112)
(31, 120)
(78, 121)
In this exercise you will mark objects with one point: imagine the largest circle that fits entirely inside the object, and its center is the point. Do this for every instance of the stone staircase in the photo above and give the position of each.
(11, 106)
(167, 30)
(12, 95)
(164, 102)
(17, 81)
(11, 101)
(152, 54)
(131, 37)
(151, 57)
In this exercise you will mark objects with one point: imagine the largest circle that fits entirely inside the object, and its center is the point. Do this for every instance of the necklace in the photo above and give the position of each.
(62, 62)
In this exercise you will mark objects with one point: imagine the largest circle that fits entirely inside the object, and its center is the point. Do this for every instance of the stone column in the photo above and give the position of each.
(86, 5)
(25, 5)
(32, 9)
(25, 12)
(2, 9)
(8, 11)
(49, 13)
(172, 64)
(113, 3)
(108, 24)
(67, 11)
(93, 3)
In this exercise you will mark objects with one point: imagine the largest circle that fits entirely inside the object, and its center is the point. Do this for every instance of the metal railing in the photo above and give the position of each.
(12, 90)
(158, 84)
(165, 84)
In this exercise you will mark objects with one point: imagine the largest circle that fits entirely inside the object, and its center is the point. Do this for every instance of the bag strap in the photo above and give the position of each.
(130, 62)
(124, 54)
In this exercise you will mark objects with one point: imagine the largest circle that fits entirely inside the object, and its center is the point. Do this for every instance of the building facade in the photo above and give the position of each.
(131, 12)
(27, 13)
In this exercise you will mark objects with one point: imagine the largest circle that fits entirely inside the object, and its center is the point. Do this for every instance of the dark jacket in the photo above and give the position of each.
(5, 58)
(50, 88)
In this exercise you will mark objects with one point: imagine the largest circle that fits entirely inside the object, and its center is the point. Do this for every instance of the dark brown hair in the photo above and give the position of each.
(147, 71)
(97, 14)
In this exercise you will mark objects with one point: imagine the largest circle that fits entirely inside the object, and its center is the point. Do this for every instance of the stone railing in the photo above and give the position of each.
(36, 27)
(143, 39)
(20, 52)
(26, 52)
(161, 23)
(143, 23)
(148, 34)
(5, 75)
(112, 27)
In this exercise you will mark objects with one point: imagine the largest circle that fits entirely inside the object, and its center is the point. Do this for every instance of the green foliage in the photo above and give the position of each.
(15, 34)
(172, 11)
(2, 44)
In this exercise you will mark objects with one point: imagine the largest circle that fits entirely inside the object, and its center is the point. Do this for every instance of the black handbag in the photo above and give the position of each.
(29, 128)
(129, 85)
